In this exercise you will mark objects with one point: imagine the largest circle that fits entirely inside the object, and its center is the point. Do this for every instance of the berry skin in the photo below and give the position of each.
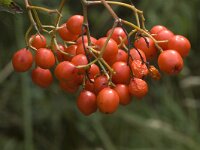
(93, 71)
(65, 34)
(111, 49)
(138, 88)
(44, 58)
(180, 44)
(148, 48)
(157, 28)
(38, 41)
(139, 69)
(162, 36)
(60, 55)
(70, 50)
(135, 55)
(123, 92)
(170, 62)
(122, 73)
(65, 71)
(22, 60)
(80, 60)
(121, 56)
(86, 102)
(117, 34)
(107, 100)
(100, 83)
(80, 41)
(74, 24)
(42, 77)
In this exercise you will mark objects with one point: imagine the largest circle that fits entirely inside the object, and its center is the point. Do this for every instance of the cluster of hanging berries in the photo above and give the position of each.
(107, 71)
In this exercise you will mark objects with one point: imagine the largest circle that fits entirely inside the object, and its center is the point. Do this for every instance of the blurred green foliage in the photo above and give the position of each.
(32, 118)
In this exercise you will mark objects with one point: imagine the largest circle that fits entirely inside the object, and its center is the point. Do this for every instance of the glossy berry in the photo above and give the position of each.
(180, 44)
(70, 50)
(65, 71)
(89, 85)
(85, 40)
(111, 49)
(123, 93)
(38, 41)
(86, 102)
(134, 54)
(59, 54)
(100, 83)
(74, 24)
(162, 36)
(107, 100)
(147, 46)
(138, 88)
(157, 28)
(170, 62)
(80, 60)
(139, 69)
(65, 34)
(93, 71)
(117, 34)
(44, 58)
(122, 73)
(42, 77)
(121, 56)
(22, 60)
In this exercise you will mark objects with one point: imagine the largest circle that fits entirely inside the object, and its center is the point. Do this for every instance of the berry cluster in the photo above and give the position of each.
(108, 70)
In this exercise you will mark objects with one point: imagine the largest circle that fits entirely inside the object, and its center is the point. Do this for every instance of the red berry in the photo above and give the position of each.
(122, 73)
(180, 44)
(65, 71)
(80, 41)
(74, 24)
(42, 77)
(22, 60)
(117, 34)
(138, 88)
(93, 71)
(100, 83)
(157, 28)
(65, 34)
(70, 50)
(86, 102)
(38, 41)
(135, 55)
(111, 49)
(60, 55)
(44, 58)
(107, 100)
(139, 69)
(121, 56)
(80, 60)
(147, 46)
(170, 62)
(162, 36)
(123, 92)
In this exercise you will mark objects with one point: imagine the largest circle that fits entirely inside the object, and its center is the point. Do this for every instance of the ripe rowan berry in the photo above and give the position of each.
(107, 100)
(22, 60)
(170, 62)
(44, 58)
(86, 102)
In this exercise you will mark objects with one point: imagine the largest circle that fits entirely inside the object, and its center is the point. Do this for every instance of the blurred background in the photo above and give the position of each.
(32, 118)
